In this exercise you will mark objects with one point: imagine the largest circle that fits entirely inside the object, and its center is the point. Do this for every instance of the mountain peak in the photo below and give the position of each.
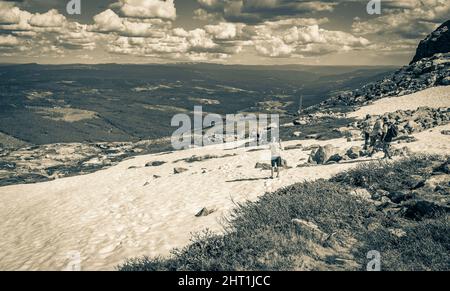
(436, 42)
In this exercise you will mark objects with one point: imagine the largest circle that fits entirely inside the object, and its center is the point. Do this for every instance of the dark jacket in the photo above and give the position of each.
(391, 133)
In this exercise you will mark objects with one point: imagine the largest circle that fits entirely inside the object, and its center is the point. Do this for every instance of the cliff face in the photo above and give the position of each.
(437, 42)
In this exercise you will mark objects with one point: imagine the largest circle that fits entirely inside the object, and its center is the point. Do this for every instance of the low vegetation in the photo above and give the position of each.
(264, 235)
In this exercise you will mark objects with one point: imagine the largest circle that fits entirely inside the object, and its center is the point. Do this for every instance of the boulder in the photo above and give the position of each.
(412, 126)
(377, 196)
(354, 152)
(263, 166)
(155, 164)
(399, 197)
(312, 136)
(445, 132)
(300, 122)
(325, 154)
(205, 212)
(445, 81)
(294, 147)
(179, 170)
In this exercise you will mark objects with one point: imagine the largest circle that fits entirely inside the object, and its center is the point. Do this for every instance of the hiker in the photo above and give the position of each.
(376, 135)
(276, 161)
(367, 128)
(390, 131)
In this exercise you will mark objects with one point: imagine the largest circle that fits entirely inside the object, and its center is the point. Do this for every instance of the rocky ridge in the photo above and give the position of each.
(423, 74)
(430, 67)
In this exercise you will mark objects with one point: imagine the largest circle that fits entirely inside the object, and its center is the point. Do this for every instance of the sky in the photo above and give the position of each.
(250, 32)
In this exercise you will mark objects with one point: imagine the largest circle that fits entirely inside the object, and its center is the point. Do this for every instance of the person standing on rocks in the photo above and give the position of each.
(367, 128)
(276, 160)
(376, 136)
(390, 131)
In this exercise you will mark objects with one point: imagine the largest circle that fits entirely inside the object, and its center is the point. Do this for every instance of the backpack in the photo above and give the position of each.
(392, 132)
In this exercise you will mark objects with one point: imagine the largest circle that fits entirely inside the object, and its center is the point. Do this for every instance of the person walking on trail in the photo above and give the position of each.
(276, 160)
(376, 136)
(390, 131)
(367, 128)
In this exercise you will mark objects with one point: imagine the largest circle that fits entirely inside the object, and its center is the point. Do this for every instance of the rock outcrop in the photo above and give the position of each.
(409, 121)
(429, 68)
(437, 42)
(421, 75)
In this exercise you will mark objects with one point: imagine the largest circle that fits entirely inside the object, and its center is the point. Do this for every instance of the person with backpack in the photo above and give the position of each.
(376, 136)
(367, 128)
(390, 131)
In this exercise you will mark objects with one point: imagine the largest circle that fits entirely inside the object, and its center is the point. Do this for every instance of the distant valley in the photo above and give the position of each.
(45, 104)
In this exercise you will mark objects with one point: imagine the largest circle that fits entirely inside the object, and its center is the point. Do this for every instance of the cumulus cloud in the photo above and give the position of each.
(268, 28)
(9, 14)
(164, 9)
(254, 11)
(310, 40)
(406, 19)
(224, 30)
(41, 33)
(52, 18)
(8, 41)
(108, 21)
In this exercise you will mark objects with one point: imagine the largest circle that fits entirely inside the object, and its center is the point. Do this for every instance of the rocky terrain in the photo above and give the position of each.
(429, 68)
(40, 163)
(422, 74)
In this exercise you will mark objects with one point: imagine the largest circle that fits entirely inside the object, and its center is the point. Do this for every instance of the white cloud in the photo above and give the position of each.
(164, 9)
(279, 41)
(406, 19)
(8, 13)
(272, 28)
(8, 41)
(273, 47)
(224, 30)
(107, 21)
(52, 18)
